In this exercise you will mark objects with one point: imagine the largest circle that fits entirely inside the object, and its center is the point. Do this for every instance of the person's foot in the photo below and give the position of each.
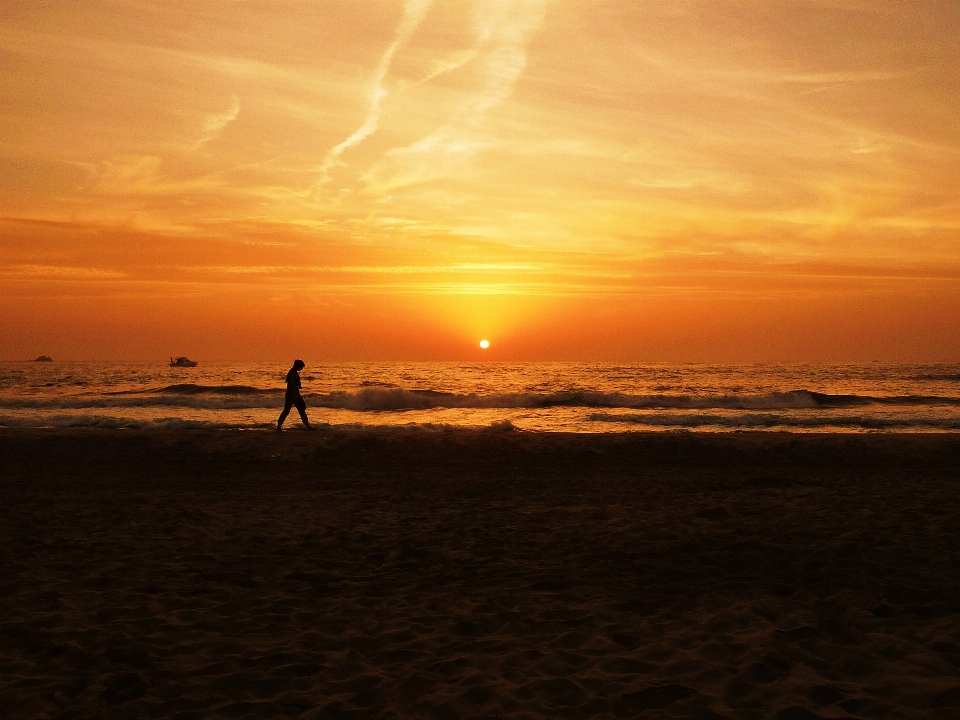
(311, 428)
(279, 429)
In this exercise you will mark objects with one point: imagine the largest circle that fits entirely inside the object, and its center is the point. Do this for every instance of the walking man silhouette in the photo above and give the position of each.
(293, 397)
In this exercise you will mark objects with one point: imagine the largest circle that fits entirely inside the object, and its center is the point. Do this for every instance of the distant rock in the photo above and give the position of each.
(44, 358)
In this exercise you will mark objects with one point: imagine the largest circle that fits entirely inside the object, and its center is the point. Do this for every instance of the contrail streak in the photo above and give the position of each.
(413, 14)
(502, 29)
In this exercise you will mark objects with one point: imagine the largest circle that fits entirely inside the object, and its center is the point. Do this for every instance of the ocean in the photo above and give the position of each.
(544, 397)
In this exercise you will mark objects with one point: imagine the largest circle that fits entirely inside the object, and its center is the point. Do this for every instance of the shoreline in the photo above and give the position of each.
(496, 427)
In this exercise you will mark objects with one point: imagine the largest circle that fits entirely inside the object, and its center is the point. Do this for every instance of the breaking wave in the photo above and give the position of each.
(202, 401)
(380, 398)
(192, 389)
(83, 420)
(119, 423)
(765, 421)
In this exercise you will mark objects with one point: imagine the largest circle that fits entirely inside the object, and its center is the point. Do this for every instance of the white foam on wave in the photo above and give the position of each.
(92, 402)
(652, 421)
(380, 399)
(776, 420)
(376, 399)
(174, 423)
(121, 423)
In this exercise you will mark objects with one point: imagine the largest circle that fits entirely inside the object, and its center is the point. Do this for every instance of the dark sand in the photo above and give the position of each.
(468, 574)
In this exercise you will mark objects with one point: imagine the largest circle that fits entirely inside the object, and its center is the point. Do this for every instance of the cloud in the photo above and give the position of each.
(452, 62)
(124, 175)
(142, 176)
(213, 124)
(413, 14)
(851, 76)
(59, 272)
(865, 147)
(502, 29)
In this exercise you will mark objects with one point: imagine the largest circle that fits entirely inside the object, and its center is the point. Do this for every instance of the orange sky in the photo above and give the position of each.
(724, 180)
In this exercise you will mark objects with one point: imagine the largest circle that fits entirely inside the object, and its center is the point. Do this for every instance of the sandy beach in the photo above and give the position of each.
(442, 575)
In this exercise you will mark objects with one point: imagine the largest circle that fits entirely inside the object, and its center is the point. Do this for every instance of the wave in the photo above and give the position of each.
(380, 399)
(93, 402)
(761, 421)
(119, 423)
(193, 389)
(174, 423)
(673, 421)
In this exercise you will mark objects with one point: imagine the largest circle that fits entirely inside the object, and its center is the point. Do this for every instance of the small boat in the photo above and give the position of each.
(44, 358)
(182, 362)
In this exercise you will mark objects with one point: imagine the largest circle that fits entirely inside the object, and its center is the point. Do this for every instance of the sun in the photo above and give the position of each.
(484, 344)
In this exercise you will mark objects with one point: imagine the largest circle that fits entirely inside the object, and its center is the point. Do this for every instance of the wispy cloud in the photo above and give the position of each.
(851, 76)
(141, 176)
(413, 14)
(502, 29)
(59, 272)
(451, 62)
(461, 268)
(213, 124)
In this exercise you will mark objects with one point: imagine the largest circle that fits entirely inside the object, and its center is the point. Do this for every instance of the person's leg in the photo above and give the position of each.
(286, 411)
(302, 409)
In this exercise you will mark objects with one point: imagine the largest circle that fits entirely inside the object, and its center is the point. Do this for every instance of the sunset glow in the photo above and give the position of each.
(388, 179)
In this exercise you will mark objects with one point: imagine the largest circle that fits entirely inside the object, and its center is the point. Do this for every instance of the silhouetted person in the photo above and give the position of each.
(293, 396)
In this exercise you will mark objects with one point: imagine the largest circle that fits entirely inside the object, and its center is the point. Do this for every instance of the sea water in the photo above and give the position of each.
(547, 397)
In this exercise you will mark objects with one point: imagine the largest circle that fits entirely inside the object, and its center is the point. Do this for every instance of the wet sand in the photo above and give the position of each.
(443, 575)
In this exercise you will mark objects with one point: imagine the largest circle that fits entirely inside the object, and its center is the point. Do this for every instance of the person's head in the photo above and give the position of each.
(298, 365)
